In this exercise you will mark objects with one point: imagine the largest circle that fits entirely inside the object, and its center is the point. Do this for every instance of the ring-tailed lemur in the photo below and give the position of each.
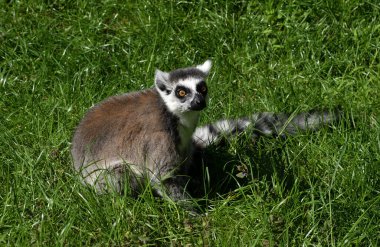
(151, 135)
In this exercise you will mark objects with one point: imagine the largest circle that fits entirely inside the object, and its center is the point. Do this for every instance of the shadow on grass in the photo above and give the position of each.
(219, 172)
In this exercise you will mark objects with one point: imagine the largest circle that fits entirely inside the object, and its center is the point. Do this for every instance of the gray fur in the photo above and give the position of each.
(150, 136)
(144, 137)
(182, 74)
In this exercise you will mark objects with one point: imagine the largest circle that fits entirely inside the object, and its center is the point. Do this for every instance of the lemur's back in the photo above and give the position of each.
(124, 130)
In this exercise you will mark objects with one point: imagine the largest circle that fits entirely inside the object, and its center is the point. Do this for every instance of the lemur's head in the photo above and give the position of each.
(184, 90)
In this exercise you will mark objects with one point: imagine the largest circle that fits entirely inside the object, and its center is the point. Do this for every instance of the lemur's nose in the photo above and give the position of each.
(198, 103)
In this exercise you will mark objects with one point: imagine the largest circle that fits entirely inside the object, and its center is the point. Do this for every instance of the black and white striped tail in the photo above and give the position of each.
(263, 124)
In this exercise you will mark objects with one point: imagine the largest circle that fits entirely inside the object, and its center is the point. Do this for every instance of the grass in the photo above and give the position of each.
(58, 58)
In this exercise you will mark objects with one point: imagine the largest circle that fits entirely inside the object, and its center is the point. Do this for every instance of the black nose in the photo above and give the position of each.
(198, 103)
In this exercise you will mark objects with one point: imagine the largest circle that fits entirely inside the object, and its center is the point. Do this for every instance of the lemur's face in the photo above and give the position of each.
(190, 94)
(184, 90)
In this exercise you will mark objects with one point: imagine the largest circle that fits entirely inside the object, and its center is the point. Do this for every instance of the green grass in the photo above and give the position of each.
(58, 58)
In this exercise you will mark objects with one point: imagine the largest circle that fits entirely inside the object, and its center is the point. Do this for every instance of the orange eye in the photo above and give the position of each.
(181, 93)
(203, 89)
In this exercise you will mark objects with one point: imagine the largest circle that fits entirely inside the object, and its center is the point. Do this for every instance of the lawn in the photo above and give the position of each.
(58, 58)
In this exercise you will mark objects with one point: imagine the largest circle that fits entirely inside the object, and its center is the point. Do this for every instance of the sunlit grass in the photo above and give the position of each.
(58, 58)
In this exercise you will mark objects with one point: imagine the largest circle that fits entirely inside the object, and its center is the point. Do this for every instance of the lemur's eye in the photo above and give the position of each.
(181, 93)
(201, 87)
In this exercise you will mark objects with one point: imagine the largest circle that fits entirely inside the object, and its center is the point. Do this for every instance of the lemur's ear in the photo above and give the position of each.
(205, 67)
(161, 79)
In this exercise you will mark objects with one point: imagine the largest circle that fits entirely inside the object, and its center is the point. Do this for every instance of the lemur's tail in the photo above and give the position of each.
(264, 124)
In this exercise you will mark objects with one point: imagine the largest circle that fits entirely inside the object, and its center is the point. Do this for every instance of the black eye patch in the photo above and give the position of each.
(182, 92)
(202, 87)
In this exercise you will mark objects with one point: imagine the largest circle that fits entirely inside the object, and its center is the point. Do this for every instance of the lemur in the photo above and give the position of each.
(151, 136)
